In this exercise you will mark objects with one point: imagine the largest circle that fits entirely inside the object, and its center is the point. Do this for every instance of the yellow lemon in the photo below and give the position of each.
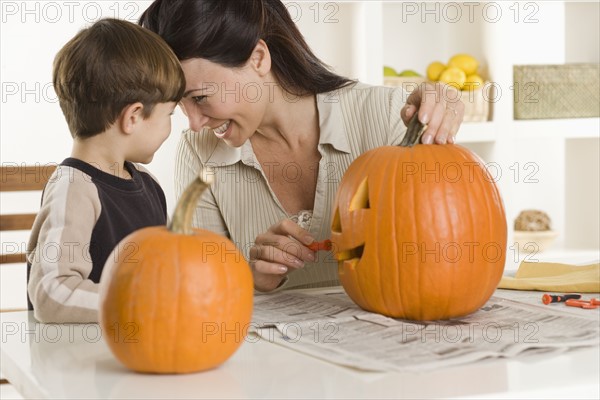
(434, 70)
(473, 82)
(389, 71)
(465, 62)
(453, 76)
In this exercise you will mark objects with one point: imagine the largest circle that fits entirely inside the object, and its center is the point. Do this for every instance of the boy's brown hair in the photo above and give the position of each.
(108, 66)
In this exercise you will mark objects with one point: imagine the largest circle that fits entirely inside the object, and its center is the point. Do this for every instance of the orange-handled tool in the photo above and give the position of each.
(554, 298)
(324, 245)
(588, 305)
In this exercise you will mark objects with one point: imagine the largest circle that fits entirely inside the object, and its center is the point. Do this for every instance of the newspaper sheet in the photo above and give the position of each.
(326, 324)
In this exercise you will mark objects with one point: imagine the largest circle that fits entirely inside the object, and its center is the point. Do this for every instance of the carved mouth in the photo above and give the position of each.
(350, 254)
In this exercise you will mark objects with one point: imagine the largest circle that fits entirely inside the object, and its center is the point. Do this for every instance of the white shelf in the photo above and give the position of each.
(571, 128)
(476, 132)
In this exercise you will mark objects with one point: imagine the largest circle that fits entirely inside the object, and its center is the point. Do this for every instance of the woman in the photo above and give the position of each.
(278, 130)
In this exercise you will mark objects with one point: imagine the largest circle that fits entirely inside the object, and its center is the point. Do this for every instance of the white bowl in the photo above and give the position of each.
(534, 241)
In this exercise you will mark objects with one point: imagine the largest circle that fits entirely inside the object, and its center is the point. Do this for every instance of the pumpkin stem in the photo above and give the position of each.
(184, 210)
(413, 132)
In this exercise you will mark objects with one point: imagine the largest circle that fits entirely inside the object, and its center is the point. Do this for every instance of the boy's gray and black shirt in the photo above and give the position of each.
(85, 213)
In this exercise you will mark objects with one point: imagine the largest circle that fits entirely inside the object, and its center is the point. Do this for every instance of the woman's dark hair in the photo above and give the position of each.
(226, 31)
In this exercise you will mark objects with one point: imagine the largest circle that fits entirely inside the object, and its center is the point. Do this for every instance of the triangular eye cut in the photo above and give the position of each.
(361, 197)
(336, 225)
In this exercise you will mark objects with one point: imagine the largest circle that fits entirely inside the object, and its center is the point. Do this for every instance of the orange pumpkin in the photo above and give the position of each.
(419, 231)
(175, 299)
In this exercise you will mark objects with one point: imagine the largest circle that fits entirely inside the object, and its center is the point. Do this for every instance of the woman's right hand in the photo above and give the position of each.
(278, 251)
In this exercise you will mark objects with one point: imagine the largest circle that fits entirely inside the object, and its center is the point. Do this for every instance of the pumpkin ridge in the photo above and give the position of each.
(466, 219)
(490, 217)
(382, 302)
(394, 236)
(473, 224)
(155, 331)
(491, 205)
(448, 289)
(461, 193)
(483, 231)
(413, 225)
(487, 228)
(174, 333)
(399, 192)
(360, 272)
(381, 205)
(134, 288)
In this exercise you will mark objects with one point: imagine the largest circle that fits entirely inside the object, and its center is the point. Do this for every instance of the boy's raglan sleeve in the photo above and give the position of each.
(58, 286)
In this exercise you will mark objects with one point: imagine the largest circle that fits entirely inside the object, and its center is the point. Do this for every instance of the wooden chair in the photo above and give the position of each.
(20, 178)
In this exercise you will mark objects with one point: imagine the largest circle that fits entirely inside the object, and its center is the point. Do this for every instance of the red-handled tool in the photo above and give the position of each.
(324, 245)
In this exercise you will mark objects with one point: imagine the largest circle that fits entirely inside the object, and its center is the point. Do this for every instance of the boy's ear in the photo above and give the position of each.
(260, 59)
(132, 114)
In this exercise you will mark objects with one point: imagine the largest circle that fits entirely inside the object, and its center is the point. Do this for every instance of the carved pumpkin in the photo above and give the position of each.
(176, 299)
(419, 231)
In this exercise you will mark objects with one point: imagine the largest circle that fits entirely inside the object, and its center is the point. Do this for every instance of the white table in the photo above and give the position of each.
(72, 361)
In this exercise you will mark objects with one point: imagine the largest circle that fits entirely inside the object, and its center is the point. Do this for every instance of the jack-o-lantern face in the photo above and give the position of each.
(357, 218)
(419, 232)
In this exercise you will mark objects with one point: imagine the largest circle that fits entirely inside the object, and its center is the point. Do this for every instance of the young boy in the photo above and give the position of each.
(117, 85)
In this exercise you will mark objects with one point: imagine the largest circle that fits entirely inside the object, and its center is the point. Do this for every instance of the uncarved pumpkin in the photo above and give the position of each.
(176, 299)
(419, 231)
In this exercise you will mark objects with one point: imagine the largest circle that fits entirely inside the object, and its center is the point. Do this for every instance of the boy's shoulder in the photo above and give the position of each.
(68, 179)
(68, 175)
(70, 196)
(143, 170)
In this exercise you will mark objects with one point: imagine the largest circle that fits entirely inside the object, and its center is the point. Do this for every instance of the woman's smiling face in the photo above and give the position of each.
(230, 101)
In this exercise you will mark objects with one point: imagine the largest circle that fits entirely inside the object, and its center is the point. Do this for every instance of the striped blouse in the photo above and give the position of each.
(240, 203)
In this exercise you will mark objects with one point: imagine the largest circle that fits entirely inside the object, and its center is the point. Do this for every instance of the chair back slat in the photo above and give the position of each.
(16, 222)
(21, 178)
(13, 258)
(18, 178)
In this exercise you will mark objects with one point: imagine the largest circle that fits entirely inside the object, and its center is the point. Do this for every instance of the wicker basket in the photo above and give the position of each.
(477, 105)
(556, 91)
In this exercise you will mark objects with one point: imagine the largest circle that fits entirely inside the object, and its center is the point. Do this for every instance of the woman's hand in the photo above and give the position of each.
(439, 107)
(277, 252)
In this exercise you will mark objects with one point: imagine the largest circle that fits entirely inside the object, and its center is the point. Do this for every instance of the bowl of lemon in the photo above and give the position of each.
(408, 79)
(461, 72)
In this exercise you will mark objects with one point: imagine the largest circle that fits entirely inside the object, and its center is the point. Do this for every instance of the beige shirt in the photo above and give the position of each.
(240, 203)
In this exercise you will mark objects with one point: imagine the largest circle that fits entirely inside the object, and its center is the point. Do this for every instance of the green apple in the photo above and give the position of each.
(409, 72)
(389, 71)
